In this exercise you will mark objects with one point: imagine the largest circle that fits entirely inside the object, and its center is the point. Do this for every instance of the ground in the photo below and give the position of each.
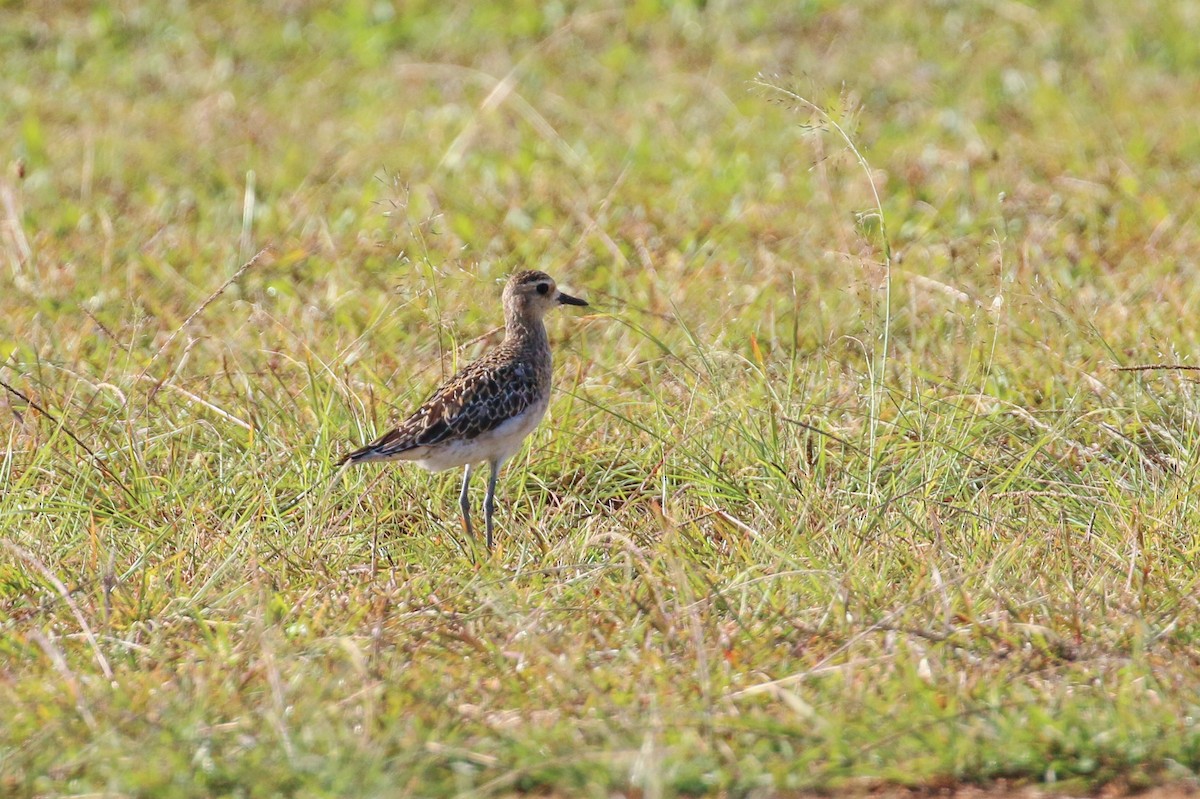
(844, 486)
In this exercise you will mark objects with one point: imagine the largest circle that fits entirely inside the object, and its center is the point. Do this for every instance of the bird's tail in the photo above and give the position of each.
(357, 455)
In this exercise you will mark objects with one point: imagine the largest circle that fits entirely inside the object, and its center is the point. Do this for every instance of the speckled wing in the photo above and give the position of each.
(477, 399)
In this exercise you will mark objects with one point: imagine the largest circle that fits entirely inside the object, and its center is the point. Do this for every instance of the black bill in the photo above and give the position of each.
(567, 299)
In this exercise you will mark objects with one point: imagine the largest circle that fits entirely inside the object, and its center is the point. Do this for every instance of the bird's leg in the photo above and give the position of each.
(464, 504)
(489, 501)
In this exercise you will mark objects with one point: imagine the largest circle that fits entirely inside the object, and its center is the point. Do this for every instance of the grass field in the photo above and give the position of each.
(840, 486)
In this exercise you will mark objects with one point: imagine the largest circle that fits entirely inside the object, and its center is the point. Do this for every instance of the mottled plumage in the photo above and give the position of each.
(485, 411)
(502, 384)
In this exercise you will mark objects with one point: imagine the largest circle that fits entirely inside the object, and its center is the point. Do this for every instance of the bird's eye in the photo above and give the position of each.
(542, 288)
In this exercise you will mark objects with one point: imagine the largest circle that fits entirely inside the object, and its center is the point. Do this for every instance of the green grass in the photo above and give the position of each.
(800, 517)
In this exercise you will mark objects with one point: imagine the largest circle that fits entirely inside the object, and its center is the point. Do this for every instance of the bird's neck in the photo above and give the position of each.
(521, 330)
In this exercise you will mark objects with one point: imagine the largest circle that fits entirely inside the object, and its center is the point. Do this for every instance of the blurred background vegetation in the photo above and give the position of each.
(832, 493)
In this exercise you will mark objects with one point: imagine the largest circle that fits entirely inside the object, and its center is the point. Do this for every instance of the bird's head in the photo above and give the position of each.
(529, 295)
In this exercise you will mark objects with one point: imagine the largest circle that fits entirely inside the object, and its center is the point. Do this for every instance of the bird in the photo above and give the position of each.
(484, 412)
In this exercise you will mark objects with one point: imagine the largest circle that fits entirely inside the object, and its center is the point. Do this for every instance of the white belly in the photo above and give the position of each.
(496, 445)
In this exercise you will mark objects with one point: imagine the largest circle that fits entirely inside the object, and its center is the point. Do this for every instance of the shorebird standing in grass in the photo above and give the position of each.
(485, 411)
